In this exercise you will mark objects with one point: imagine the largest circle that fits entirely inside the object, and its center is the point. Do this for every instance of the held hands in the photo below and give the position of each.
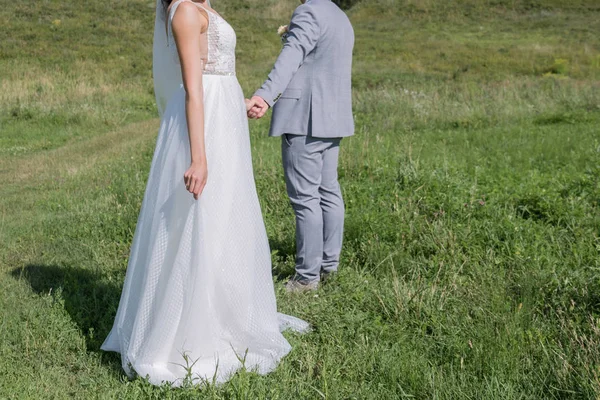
(256, 107)
(195, 178)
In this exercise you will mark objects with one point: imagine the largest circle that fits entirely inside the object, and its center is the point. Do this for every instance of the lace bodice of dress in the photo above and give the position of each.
(221, 39)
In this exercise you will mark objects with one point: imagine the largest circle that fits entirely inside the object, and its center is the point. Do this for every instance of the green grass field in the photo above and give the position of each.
(471, 266)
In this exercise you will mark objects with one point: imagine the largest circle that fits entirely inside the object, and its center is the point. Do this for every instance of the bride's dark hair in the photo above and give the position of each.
(166, 4)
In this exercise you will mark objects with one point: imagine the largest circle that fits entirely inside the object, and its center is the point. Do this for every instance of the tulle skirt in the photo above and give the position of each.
(198, 300)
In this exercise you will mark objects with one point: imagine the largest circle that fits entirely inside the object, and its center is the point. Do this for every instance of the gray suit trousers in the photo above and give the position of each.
(310, 168)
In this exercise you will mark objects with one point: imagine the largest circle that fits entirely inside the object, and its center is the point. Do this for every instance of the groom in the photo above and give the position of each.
(309, 90)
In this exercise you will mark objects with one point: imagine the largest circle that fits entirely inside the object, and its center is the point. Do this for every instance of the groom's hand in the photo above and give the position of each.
(256, 107)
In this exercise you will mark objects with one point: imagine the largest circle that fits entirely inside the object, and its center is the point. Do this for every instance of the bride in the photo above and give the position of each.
(198, 301)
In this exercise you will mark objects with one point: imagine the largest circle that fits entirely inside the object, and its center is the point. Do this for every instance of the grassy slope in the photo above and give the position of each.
(470, 267)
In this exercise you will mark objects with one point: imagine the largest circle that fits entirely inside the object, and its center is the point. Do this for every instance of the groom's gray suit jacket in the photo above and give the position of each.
(309, 87)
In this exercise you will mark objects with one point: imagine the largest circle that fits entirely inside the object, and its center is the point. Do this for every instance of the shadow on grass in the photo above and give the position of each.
(283, 251)
(90, 301)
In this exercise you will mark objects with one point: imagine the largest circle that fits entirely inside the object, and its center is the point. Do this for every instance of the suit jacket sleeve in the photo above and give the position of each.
(303, 34)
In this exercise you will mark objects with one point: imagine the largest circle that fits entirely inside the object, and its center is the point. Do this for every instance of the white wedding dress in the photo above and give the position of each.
(198, 300)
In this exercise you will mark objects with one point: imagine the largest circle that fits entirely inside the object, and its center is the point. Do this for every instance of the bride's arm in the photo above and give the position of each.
(188, 27)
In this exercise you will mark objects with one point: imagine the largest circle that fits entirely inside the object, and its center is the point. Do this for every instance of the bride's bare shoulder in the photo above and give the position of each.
(188, 16)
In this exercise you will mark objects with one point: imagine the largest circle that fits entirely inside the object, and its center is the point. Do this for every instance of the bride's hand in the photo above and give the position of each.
(195, 178)
(256, 107)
